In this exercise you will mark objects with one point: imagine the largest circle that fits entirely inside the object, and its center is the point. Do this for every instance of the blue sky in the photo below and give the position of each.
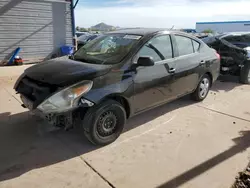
(159, 13)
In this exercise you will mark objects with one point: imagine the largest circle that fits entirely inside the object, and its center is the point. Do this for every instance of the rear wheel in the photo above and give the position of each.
(202, 89)
(104, 123)
(245, 74)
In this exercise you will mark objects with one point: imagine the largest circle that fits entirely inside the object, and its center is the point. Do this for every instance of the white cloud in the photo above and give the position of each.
(159, 13)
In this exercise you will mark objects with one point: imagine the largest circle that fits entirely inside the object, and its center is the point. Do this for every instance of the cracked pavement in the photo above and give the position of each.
(181, 144)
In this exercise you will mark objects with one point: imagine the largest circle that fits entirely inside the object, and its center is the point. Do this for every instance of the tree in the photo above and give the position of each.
(83, 29)
(77, 28)
(208, 31)
(94, 29)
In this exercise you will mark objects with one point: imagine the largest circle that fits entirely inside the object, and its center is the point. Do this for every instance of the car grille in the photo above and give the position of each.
(34, 90)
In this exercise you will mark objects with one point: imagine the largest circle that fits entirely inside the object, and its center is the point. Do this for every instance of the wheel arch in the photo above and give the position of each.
(210, 76)
(120, 99)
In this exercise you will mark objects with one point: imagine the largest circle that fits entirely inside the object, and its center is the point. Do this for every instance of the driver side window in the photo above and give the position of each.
(159, 48)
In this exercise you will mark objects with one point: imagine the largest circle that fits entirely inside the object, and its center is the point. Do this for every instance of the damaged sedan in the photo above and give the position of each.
(116, 76)
(234, 49)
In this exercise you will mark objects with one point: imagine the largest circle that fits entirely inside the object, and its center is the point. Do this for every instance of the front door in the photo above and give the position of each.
(152, 85)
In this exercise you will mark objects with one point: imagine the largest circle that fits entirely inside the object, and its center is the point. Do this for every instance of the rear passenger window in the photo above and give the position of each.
(159, 48)
(196, 45)
(185, 45)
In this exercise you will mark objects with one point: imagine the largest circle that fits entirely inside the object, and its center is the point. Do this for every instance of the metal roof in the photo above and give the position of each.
(140, 31)
(226, 22)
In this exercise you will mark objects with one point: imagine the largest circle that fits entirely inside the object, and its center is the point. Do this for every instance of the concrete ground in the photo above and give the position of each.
(181, 144)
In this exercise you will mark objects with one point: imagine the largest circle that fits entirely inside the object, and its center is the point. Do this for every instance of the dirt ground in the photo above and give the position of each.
(181, 144)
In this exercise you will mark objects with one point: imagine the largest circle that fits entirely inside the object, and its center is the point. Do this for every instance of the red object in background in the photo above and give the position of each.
(218, 55)
(18, 61)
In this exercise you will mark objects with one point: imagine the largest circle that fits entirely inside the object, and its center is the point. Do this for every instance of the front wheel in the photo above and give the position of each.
(202, 89)
(245, 74)
(104, 123)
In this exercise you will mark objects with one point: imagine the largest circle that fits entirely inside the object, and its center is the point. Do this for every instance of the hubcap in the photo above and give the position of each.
(107, 124)
(204, 87)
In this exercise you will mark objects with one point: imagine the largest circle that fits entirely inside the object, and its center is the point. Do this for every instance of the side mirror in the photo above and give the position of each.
(145, 62)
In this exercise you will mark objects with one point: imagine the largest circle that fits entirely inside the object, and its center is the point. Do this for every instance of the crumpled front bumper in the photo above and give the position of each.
(64, 119)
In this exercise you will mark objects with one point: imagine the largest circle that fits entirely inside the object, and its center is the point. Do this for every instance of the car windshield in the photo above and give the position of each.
(107, 49)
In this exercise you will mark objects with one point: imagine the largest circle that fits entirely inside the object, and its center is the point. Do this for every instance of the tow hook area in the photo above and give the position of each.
(64, 120)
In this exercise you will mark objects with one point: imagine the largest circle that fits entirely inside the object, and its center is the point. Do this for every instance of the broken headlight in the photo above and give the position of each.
(66, 98)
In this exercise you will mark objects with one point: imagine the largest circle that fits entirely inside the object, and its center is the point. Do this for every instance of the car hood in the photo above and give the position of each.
(63, 72)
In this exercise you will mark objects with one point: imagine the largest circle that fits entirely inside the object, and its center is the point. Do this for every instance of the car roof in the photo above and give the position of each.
(233, 34)
(140, 31)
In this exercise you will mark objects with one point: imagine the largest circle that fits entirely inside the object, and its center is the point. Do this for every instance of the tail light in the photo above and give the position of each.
(218, 56)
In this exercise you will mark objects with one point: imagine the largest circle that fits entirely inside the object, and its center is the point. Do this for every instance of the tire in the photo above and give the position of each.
(104, 123)
(245, 74)
(202, 89)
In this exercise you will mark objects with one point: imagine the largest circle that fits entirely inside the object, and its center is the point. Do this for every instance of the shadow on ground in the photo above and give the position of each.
(28, 143)
(226, 83)
(241, 143)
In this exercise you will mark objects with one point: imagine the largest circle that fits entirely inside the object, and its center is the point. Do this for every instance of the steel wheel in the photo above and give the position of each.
(104, 122)
(107, 124)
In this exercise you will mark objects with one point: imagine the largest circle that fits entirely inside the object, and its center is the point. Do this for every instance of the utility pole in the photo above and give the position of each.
(72, 7)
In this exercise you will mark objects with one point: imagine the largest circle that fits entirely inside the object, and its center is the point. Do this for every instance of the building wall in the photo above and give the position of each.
(39, 27)
(223, 26)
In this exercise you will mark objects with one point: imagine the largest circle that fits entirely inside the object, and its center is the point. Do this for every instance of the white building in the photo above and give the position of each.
(222, 27)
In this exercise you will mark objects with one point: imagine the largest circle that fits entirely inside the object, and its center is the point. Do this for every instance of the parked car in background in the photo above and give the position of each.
(78, 33)
(116, 76)
(202, 35)
(234, 49)
(189, 30)
(84, 39)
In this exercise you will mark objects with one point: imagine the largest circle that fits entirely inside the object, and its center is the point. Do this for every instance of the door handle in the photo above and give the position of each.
(171, 70)
(202, 62)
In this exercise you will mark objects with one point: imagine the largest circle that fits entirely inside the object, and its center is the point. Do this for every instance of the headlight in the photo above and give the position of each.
(66, 98)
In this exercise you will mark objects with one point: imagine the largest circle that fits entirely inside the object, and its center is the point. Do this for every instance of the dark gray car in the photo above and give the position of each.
(116, 76)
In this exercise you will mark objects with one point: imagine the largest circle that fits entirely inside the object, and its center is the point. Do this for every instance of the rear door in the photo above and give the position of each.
(188, 62)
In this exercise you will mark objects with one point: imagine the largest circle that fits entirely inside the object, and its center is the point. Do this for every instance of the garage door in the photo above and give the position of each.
(39, 27)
